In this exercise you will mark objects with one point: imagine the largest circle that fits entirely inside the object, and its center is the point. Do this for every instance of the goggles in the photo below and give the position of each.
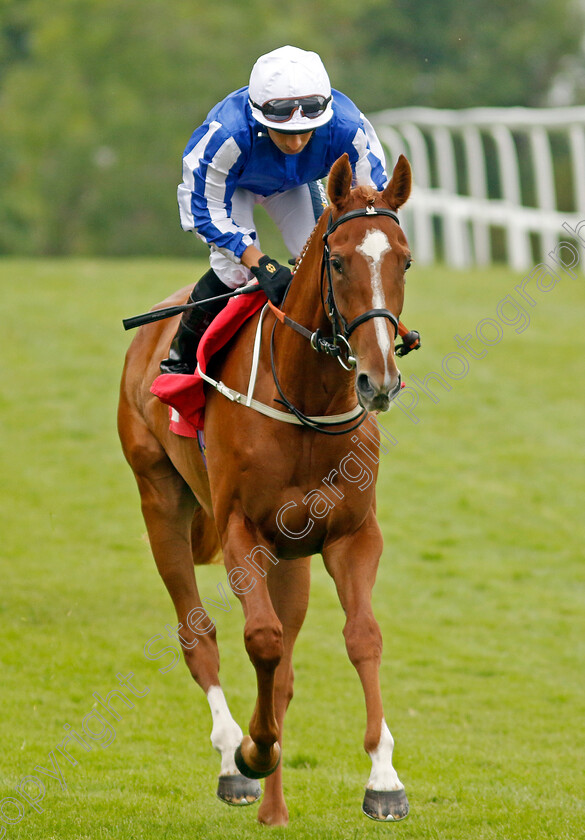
(282, 110)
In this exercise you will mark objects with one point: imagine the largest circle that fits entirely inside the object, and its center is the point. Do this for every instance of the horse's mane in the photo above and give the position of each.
(320, 223)
(365, 194)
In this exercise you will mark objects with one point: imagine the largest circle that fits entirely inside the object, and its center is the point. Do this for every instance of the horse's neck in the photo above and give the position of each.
(315, 383)
(303, 302)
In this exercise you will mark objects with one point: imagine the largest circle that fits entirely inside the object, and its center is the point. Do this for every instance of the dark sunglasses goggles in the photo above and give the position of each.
(282, 110)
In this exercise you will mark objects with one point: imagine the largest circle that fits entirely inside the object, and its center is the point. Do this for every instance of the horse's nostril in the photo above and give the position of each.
(364, 385)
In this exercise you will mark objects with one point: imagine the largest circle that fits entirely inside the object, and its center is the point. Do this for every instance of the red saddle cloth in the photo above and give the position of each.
(185, 392)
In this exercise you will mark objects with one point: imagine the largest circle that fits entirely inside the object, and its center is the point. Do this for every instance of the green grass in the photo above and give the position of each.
(480, 592)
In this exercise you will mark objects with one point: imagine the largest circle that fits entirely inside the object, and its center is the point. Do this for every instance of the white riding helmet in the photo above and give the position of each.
(290, 91)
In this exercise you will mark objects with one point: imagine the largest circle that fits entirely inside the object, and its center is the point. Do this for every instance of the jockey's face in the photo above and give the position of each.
(289, 144)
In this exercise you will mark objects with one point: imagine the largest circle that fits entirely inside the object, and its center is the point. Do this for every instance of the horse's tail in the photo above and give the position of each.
(205, 540)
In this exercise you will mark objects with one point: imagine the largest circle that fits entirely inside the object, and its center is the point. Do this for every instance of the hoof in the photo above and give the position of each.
(385, 805)
(263, 768)
(238, 790)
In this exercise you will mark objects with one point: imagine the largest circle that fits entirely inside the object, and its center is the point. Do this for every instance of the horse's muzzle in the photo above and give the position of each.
(374, 397)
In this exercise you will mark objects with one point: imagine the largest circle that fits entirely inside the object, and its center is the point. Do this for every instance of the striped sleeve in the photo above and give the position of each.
(210, 172)
(371, 163)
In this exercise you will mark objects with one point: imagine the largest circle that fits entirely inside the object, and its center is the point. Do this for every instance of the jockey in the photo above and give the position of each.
(269, 143)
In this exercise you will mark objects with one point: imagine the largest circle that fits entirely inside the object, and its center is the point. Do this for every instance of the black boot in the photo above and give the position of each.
(182, 356)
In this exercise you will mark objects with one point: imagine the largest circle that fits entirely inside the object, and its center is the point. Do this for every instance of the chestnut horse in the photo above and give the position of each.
(258, 495)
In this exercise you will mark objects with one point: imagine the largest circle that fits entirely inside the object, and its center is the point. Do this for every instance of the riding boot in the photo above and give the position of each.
(182, 356)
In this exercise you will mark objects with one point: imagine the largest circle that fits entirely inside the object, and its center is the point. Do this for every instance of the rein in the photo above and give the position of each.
(304, 419)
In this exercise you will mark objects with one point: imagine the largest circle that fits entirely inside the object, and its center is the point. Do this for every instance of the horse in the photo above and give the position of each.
(275, 493)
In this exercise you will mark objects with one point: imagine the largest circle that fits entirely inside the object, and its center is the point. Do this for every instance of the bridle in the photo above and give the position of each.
(336, 345)
(341, 329)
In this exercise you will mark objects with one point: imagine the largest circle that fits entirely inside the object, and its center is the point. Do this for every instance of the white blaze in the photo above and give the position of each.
(374, 247)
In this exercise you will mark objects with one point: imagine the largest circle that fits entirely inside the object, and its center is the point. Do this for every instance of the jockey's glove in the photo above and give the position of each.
(273, 278)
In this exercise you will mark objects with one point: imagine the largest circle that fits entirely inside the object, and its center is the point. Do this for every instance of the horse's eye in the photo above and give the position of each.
(336, 264)
(408, 264)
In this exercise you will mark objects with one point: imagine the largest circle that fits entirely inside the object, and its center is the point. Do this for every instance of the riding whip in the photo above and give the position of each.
(169, 311)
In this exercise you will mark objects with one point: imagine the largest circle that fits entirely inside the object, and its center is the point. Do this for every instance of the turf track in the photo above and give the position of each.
(480, 594)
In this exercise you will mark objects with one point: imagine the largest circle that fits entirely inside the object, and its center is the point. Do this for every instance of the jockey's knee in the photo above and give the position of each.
(232, 274)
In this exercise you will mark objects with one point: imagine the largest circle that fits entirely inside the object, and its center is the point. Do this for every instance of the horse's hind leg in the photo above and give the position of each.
(168, 507)
(353, 562)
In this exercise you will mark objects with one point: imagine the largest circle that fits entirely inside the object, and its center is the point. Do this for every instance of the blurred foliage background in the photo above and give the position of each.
(99, 97)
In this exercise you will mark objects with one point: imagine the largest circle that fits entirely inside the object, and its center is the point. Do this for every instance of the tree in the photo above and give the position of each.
(98, 97)
(448, 54)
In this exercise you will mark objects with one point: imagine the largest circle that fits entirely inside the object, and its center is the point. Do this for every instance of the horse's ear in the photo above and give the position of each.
(398, 190)
(339, 183)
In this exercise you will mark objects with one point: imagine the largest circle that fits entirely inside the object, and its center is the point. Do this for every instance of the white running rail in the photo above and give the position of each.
(449, 153)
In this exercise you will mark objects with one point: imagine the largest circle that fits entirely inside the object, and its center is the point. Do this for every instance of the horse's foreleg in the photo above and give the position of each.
(288, 585)
(259, 753)
(353, 562)
(226, 736)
